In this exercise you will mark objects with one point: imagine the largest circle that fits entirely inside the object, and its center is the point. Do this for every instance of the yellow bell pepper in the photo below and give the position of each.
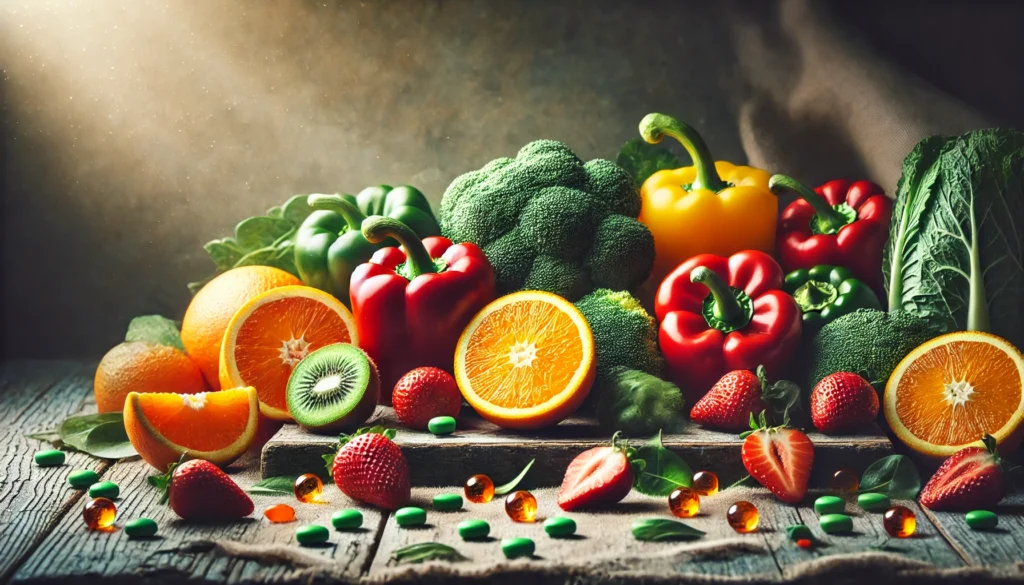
(709, 208)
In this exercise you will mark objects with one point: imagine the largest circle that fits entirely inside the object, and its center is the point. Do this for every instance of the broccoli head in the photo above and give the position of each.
(548, 221)
(625, 335)
(866, 342)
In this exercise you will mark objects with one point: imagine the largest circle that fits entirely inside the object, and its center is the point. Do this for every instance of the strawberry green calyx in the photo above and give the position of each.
(162, 481)
(781, 396)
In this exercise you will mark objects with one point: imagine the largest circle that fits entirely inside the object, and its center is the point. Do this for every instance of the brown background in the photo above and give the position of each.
(135, 131)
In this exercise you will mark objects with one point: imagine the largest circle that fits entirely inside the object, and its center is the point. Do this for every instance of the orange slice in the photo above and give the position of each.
(952, 390)
(273, 332)
(216, 426)
(526, 360)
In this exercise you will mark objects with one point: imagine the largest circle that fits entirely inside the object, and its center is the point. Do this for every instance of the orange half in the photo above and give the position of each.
(272, 332)
(526, 360)
(952, 390)
(216, 426)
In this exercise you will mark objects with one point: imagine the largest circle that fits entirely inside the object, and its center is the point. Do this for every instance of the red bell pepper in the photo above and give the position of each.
(721, 314)
(843, 224)
(411, 303)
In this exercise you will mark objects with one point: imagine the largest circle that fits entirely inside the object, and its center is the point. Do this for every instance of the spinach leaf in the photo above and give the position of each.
(264, 240)
(894, 476)
(659, 471)
(956, 249)
(274, 486)
(425, 551)
(506, 488)
(658, 529)
(641, 160)
(99, 435)
(155, 329)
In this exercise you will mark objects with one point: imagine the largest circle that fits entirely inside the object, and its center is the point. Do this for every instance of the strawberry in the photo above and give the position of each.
(199, 490)
(370, 468)
(971, 479)
(843, 402)
(780, 459)
(597, 477)
(738, 395)
(423, 394)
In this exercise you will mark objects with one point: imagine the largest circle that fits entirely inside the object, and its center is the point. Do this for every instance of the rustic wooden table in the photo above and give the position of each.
(43, 538)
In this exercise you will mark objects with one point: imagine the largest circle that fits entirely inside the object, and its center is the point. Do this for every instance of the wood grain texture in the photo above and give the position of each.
(986, 548)
(472, 450)
(35, 396)
(72, 551)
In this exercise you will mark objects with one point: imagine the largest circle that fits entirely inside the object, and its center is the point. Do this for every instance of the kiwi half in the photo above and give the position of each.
(333, 389)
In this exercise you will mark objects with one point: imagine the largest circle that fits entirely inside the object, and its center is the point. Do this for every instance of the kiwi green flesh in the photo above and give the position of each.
(333, 389)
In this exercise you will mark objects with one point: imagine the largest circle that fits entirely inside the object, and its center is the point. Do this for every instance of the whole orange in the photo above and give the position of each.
(141, 366)
(202, 329)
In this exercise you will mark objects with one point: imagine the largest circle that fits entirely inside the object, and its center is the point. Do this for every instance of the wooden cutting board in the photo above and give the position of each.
(481, 447)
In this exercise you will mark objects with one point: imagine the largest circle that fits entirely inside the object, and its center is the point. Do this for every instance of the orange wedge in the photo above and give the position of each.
(526, 360)
(952, 390)
(216, 426)
(273, 332)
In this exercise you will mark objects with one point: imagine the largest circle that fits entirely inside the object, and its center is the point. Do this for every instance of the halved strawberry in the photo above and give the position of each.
(971, 479)
(597, 477)
(780, 459)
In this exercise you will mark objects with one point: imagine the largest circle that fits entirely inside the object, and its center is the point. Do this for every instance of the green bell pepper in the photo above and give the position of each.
(825, 293)
(330, 244)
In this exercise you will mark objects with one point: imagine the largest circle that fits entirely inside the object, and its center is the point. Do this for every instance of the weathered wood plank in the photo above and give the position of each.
(868, 534)
(1001, 546)
(73, 552)
(604, 538)
(472, 450)
(35, 396)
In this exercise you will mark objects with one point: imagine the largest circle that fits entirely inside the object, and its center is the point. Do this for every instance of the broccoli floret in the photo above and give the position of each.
(622, 254)
(866, 342)
(574, 222)
(625, 335)
(638, 404)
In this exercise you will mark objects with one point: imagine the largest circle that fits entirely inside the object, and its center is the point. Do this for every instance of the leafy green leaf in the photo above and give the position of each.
(263, 240)
(52, 437)
(894, 476)
(641, 160)
(75, 429)
(274, 486)
(425, 551)
(155, 329)
(506, 488)
(955, 256)
(663, 470)
(745, 481)
(109, 441)
(99, 435)
(659, 529)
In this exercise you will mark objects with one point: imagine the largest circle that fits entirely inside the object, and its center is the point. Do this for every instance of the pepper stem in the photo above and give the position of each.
(377, 228)
(654, 127)
(828, 218)
(338, 204)
(729, 310)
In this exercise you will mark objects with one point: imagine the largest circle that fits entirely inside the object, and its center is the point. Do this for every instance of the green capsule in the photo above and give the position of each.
(829, 505)
(82, 478)
(49, 458)
(982, 520)
(799, 532)
(104, 489)
(836, 523)
(517, 547)
(474, 529)
(441, 425)
(349, 519)
(411, 516)
(447, 502)
(874, 502)
(559, 526)
(312, 534)
(140, 528)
